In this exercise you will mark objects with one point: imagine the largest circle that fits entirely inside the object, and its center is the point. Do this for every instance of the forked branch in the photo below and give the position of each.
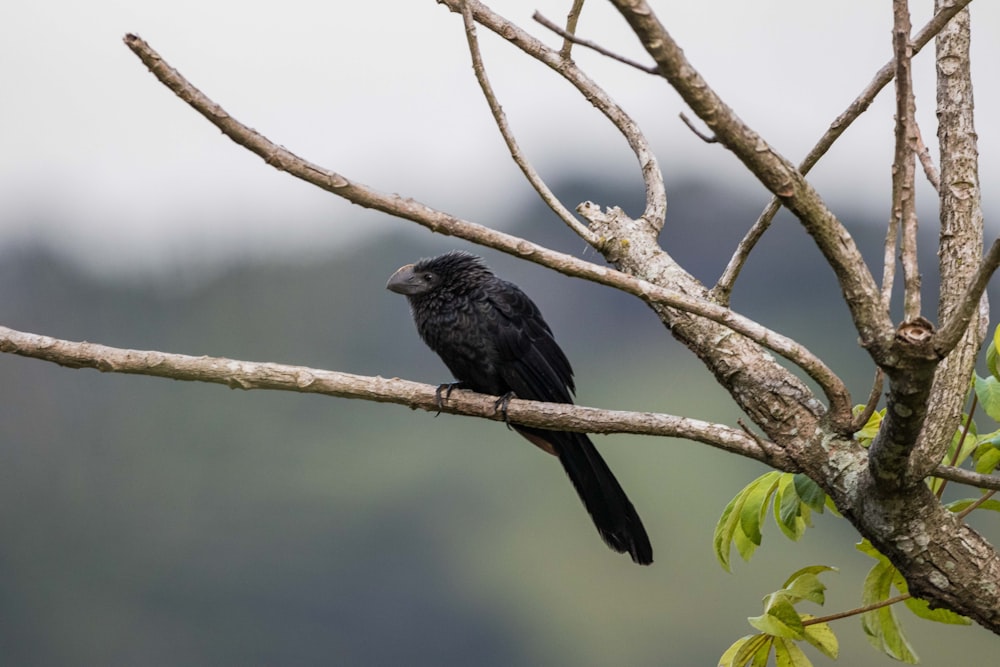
(438, 221)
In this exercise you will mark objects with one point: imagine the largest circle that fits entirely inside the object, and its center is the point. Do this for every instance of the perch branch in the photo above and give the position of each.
(516, 153)
(238, 374)
(443, 223)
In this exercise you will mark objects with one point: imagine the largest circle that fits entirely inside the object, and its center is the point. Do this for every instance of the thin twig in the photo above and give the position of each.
(248, 375)
(572, 18)
(871, 404)
(858, 610)
(593, 46)
(725, 284)
(516, 153)
(961, 441)
(975, 504)
(656, 194)
(948, 336)
(926, 161)
(889, 261)
(707, 138)
(904, 210)
(967, 477)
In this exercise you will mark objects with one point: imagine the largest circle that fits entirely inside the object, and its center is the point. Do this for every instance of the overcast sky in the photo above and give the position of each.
(102, 161)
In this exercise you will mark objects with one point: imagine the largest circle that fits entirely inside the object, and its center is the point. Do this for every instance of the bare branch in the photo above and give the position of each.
(573, 39)
(968, 477)
(437, 221)
(948, 336)
(960, 242)
(571, 20)
(904, 208)
(248, 375)
(926, 161)
(944, 14)
(775, 172)
(508, 136)
(707, 138)
(871, 404)
(656, 196)
(889, 260)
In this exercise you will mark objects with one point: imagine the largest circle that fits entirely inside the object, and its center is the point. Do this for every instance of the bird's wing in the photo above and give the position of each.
(531, 362)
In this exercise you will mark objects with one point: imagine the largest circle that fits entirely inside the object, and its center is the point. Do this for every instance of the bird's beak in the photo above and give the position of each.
(405, 281)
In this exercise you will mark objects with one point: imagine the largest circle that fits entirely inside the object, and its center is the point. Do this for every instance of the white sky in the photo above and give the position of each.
(100, 160)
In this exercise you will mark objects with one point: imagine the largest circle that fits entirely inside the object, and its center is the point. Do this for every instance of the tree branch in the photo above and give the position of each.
(437, 221)
(968, 477)
(508, 136)
(724, 287)
(571, 20)
(774, 172)
(238, 374)
(656, 196)
(904, 208)
(571, 38)
(963, 309)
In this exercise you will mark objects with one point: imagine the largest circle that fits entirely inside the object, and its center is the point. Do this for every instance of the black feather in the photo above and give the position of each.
(494, 340)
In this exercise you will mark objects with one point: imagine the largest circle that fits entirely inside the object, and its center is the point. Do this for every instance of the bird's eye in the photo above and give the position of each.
(430, 278)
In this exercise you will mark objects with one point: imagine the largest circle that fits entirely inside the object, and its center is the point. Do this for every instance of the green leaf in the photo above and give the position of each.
(959, 505)
(870, 429)
(740, 522)
(789, 512)
(994, 344)
(821, 636)
(922, 609)
(807, 586)
(788, 654)
(809, 492)
(722, 539)
(755, 505)
(779, 618)
(755, 648)
(987, 454)
(881, 625)
(988, 393)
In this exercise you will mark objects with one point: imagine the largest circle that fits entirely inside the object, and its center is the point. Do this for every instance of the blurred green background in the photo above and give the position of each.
(152, 522)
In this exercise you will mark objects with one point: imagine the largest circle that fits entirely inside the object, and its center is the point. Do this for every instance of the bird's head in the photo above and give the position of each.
(443, 271)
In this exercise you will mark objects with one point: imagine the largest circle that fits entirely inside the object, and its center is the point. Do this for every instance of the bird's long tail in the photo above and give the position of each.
(611, 510)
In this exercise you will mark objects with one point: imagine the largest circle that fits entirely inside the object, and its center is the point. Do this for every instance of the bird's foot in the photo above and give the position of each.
(501, 405)
(445, 389)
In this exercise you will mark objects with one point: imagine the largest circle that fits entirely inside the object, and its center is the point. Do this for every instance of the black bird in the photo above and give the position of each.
(493, 339)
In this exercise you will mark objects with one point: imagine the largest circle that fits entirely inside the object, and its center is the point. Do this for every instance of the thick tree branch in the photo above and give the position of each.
(775, 172)
(437, 221)
(238, 374)
(944, 14)
(963, 309)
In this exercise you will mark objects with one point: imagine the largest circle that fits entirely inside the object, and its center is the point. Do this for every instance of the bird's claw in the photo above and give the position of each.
(445, 388)
(501, 405)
